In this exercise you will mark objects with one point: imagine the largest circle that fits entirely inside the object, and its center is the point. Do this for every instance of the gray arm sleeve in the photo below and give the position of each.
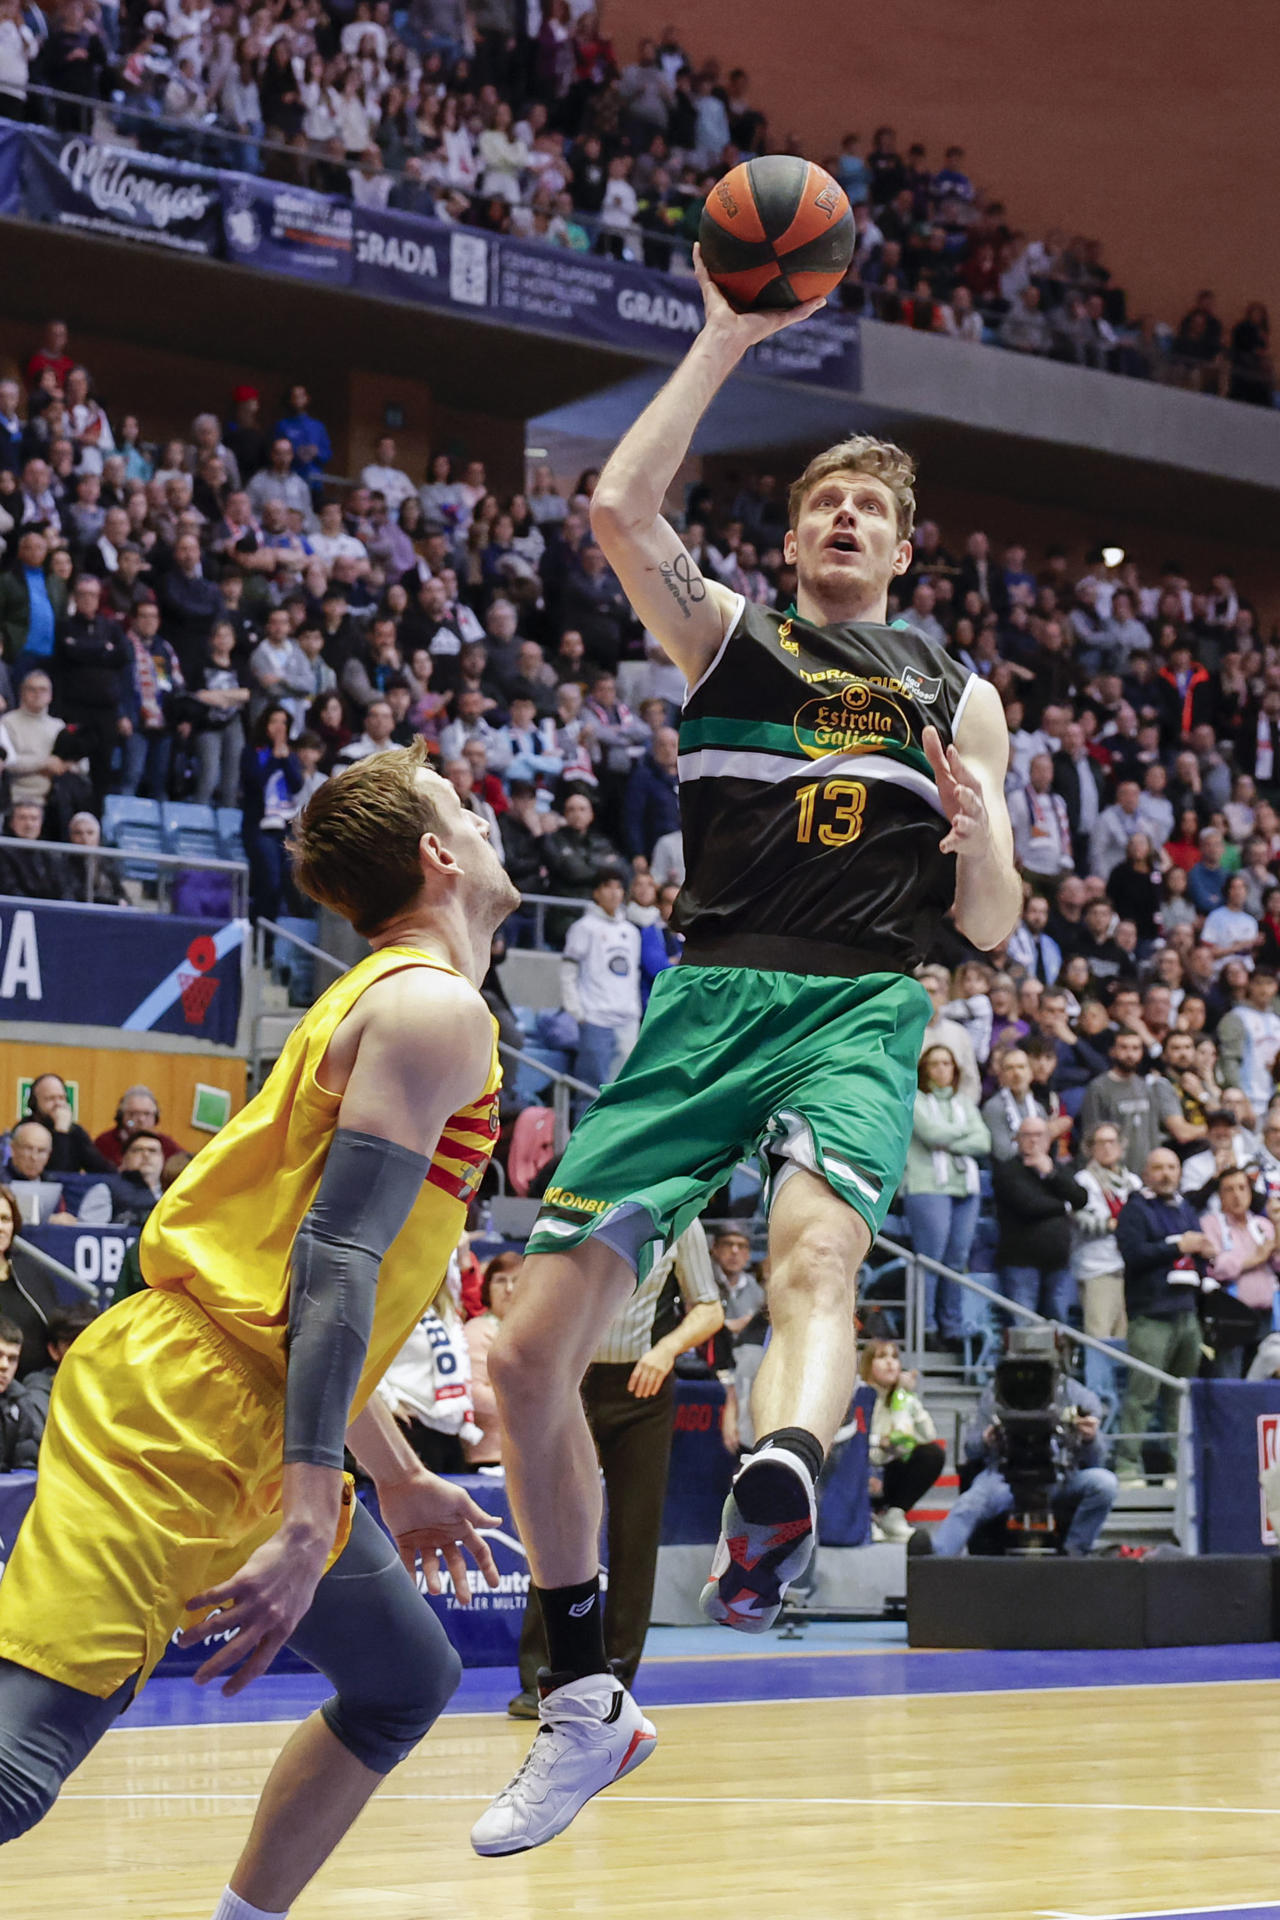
(366, 1193)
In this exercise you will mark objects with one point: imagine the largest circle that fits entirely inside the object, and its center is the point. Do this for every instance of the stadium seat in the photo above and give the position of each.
(137, 827)
(230, 838)
(191, 830)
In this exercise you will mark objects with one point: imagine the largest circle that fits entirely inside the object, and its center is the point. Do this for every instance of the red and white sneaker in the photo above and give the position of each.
(767, 1534)
(592, 1734)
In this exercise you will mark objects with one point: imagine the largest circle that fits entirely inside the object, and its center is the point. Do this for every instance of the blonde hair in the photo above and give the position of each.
(862, 454)
(355, 845)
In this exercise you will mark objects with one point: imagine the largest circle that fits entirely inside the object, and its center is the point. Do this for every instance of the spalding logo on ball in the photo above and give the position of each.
(776, 232)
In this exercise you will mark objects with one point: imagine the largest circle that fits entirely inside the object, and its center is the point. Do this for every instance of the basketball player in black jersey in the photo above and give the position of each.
(842, 788)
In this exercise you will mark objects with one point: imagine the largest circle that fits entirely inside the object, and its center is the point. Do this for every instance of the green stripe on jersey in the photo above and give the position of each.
(768, 736)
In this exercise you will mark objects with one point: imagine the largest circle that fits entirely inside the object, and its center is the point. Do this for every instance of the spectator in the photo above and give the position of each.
(1096, 1259)
(1116, 826)
(39, 1197)
(1137, 1102)
(33, 599)
(1207, 879)
(279, 673)
(575, 853)
(940, 1187)
(153, 689)
(1031, 946)
(20, 1423)
(216, 703)
(278, 481)
(1164, 1250)
(306, 435)
(383, 476)
(1231, 929)
(73, 1150)
(501, 1276)
(1249, 1040)
(379, 725)
(905, 1454)
(270, 777)
(1229, 1145)
(28, 1300)
(944, 1031)
(139, 1183)
(651, 807)
(1034, 1200)
(746, 1328)
(65, 1326)
(190, 602)
(1237, 1316)
(1086, 1482)
(35, 872)
(600, 983)
(137, 1111)
(1041, 826)
(1024, 327)
(1015, 1101)
(90, 660)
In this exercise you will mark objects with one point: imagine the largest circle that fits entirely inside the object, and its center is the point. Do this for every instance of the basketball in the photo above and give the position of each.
(775, 232)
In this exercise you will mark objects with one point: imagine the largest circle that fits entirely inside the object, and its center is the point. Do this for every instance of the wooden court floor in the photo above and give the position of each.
(1084, 1802)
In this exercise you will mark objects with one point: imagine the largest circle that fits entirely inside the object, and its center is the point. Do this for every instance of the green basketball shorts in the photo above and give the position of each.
(731, 1062)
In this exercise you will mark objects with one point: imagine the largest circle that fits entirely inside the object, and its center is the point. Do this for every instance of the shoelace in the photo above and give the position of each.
(531, 1764)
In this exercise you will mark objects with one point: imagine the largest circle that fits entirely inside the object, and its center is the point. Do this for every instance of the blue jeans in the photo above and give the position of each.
(1047, 1290)
(942, 1228)
(990, 1496)
(146, 763)
(593, 1062)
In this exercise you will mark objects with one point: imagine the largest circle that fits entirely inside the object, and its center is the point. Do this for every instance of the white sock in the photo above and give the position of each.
(232, 1907)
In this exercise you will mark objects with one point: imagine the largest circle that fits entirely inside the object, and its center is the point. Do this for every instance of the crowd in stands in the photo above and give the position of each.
(531, 122)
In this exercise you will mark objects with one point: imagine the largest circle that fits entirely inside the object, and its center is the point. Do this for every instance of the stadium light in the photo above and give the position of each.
(1112, 556)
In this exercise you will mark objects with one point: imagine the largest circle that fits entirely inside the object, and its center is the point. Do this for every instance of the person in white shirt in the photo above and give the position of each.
(666, 863)
(1249, 1040)
(332, 541)
(383, 476)
(600, 984)
(1041, 828)
(1231, 929)
(379, 724)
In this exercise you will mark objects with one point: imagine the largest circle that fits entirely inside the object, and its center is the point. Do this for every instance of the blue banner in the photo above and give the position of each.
(121, 193)
(400, 256)
(844, 1501)
(12, 147)
(143, 972)
(93, 1254)
(1236, 1434)
(281, 229)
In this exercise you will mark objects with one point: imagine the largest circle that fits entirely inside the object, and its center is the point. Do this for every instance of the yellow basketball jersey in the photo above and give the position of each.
(224, 1232)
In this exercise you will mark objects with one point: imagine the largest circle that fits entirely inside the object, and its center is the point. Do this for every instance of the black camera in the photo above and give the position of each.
(1033, 1431)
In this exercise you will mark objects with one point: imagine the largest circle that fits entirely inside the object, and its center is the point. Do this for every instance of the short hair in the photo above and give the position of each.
(143, 1133)
(355, 845)
(862, 453)
(10, 1333)
(63, 1326)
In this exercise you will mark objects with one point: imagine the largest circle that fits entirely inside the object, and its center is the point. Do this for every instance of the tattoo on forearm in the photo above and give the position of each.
(683, 582)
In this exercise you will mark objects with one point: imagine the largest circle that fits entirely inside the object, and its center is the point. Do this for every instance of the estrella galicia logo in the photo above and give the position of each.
(857, 719)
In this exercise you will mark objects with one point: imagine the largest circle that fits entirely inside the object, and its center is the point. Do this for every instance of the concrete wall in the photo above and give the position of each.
(1150, 126)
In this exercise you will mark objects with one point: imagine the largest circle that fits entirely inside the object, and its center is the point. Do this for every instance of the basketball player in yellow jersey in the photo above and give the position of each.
(193, 1456)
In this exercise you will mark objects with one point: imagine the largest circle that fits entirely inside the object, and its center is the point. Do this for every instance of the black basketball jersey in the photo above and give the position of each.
(811, 817)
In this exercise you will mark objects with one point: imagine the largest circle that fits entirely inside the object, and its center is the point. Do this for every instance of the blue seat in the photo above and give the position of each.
(124, 811)
(190, 830)
(230, 837)
(135, 826)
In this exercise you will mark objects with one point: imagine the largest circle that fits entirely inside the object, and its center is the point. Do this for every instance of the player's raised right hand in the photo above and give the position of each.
(744, 329)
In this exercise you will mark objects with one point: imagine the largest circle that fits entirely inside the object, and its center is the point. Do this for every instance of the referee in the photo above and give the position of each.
(630, 1405)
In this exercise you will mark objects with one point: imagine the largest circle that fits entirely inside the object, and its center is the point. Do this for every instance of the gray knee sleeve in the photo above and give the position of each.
(371, 1633)
(382, 1733)
(46, 1729)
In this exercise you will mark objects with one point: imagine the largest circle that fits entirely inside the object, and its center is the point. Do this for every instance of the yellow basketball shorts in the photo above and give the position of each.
(160, 1472)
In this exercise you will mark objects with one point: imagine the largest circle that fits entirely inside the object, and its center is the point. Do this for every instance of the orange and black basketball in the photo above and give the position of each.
(776, 232)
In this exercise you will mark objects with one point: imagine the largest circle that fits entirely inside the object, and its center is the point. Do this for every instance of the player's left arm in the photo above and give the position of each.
(970, 776)
(419, 1049)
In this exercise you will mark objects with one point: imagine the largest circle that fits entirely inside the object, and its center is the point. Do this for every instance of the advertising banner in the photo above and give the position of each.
(71, 181)
(12, 147)
(1236, 1431)
(281, 229)
(400, 256)
(102, 966)
(94, 1254)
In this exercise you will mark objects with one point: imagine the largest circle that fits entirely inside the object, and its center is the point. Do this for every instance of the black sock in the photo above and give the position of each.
(574, 1624)
(798, 1440)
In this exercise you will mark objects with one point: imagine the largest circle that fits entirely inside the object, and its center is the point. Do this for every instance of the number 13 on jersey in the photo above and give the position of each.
(846, 800)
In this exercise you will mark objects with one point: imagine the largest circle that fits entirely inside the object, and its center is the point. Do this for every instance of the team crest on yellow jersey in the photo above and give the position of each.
(858, 719)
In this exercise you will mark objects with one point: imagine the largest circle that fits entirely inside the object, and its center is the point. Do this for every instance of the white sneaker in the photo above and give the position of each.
(592, 1733)
(761, 1550)
(894, 1524)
